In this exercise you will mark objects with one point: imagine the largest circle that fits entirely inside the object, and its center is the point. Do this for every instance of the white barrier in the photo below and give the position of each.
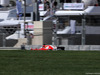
(72, 47)
(83, 47)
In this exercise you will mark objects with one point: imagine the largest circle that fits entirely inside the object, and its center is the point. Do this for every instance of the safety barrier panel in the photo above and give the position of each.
(71, 47)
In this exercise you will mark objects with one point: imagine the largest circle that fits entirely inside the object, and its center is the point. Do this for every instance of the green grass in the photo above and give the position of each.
(49, 62)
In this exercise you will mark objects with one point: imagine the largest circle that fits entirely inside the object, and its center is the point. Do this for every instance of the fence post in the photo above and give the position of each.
(4, 40)
(83, 31)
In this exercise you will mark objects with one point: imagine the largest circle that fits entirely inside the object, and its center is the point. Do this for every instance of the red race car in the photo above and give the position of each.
(46, 47)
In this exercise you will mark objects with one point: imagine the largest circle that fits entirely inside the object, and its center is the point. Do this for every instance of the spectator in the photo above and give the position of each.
(54, 4)
(19, 9)
(78, 1)
(46, 4)
(39, 1)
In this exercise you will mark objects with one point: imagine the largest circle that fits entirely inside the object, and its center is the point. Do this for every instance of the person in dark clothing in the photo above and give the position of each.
(68, 1)
(46, 4)
(55, 3)
(65, 1)
(61, 1)
(54, 6)
(39, 1)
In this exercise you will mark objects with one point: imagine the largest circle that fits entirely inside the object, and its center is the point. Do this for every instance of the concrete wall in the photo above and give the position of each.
(71, 47)
(42, 33)
(82, 47)
(37, 40)
(20, 42)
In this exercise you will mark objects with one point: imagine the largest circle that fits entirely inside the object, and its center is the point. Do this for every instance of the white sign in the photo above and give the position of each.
(73, 6)
(30, 26)
(72, 24)
(41, 6)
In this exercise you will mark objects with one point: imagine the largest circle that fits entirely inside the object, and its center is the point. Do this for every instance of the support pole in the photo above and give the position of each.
(83, 31)
(24, 17)
(55, 33)
(4, 40)
(36, 11)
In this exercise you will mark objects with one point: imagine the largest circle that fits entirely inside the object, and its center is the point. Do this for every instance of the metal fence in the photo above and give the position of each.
(92, 33)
